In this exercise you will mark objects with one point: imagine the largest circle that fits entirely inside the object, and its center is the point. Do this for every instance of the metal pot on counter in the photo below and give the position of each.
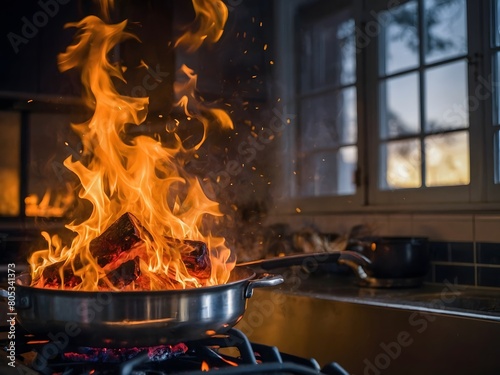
(389, 261)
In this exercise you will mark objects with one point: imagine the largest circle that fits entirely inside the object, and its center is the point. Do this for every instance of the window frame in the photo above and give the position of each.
(492, 190)
(481, 195)
(410, 196)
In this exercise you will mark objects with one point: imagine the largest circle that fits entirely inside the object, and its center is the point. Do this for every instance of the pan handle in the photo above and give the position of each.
(293, 260)
(357, 262)
(262, 280)
(351, 258)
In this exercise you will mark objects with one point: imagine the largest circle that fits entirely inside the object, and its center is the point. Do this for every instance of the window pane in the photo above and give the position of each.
(50, 184)
(401, 164)
(348, 119)
(10, 129)
(446, 97)
(346, 163)
(496, 85)
(400, 38)
(328, 121)
(401, 115)
(328, 53)
(329, 173)
(496, 26)
(445, 29)
(496, 150)
(347, 45)
(316, 129)
(447, 159)
(307, 61)
(337, 62)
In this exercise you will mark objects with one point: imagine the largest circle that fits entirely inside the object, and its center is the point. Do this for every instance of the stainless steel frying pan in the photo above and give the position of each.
(144, 318)
(136, 318)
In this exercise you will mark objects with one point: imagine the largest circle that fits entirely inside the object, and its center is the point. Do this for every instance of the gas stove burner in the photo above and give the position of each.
(105, 355)
(231, 353)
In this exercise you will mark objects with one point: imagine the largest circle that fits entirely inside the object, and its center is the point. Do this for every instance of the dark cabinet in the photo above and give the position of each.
(33, 34)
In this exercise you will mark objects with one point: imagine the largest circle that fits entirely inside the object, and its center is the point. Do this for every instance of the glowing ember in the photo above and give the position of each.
(169, 216)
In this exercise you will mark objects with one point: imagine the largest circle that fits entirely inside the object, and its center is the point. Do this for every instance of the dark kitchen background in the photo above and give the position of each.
(297, 80)
(39, 103)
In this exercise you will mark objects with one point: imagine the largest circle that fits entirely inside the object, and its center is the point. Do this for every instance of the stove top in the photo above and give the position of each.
(231, 353)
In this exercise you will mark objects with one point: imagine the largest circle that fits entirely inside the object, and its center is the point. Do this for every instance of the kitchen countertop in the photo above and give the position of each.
(448, 298)
(432, 329)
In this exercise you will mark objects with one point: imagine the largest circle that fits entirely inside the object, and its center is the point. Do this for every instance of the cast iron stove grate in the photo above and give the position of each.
(215, 354)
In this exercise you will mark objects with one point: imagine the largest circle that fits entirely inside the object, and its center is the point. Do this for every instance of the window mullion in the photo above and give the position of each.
(477, 106)
(421, 75)
(374, 100)
(486, 132)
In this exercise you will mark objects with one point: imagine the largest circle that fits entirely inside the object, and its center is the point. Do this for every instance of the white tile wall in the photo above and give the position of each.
(487, 228)
(328, 224)
(340, 224)
(378, 224)
(458, 228)
(438, 227)
(399, 225)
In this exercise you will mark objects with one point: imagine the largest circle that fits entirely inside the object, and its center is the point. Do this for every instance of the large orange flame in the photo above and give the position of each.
(106, 7)
(208, 25)
(139, 175)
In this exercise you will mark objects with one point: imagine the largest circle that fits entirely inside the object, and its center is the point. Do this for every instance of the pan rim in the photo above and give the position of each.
(250, 274)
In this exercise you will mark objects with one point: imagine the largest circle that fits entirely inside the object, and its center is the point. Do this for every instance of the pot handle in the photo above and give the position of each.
(357, 262)
(262, 280)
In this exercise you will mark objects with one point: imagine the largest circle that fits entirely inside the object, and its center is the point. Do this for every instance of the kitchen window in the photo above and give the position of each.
(427, 124)
(422, 142)
(327, 103)
(10, 149)
(423, 116)
(36, 183)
